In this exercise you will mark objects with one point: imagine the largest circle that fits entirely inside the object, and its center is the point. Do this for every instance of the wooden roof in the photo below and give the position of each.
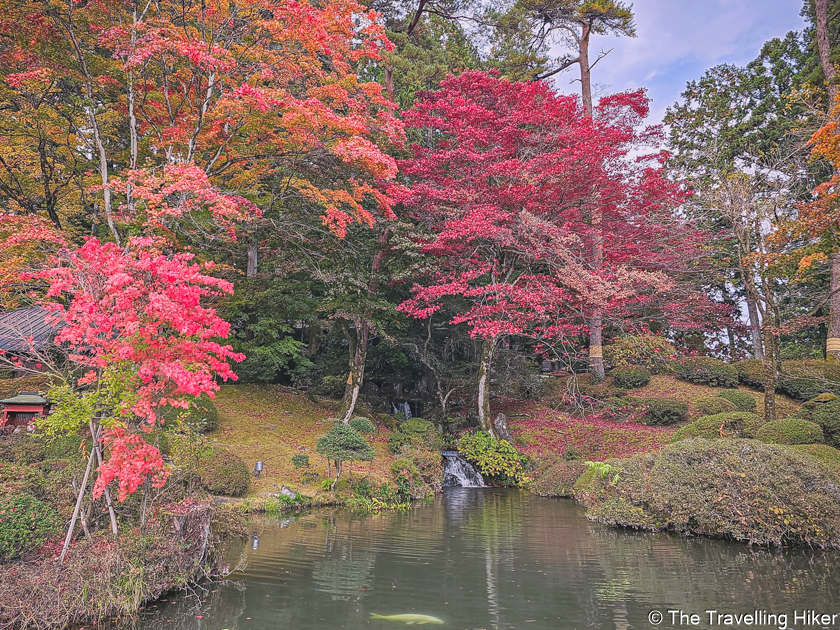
(18, 325)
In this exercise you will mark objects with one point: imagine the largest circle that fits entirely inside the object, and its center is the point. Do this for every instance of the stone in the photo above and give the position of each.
(287, 492)
(502, 429)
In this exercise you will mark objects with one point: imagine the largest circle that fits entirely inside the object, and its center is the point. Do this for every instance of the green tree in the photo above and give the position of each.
(344, 444)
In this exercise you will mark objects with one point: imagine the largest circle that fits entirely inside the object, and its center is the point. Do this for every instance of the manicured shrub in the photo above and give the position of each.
(706, 371)
(648, 351)
(664, 411)
(223, 472)
(739, 489)
(631, 377)
(711, 405)
(498, 461)
(344, 444)
(16, 479)
(65, 447)
(396, 442)
(827, 415)
(28, 449)
(743, 401)
(804, 380)
(300, 461)
(558, 478)
(25, 524)
(823, 453)
(417, 427)
(419, 472)
(750, 373)
(790, 431)
(362, 425)
(202, 416)
(733, 424)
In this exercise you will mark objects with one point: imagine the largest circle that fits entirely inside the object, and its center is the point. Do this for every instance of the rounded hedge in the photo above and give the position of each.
(25, 524)
(665, 412)
(827, 415)
(711, 405)
(417, 427)
(743, 401)
(790, 431)
(822, 453)
(202, 415)
(706, 371)
(362, 425)
(803, 380)
(738, 489)
(343, 444)
(648, 351)
(498, 461)
(223, 472)
(397, 441)
(630, 377)
(733, 424)
(750, 373)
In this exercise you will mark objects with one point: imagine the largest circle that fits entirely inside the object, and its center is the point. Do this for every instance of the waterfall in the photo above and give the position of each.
(458, 473)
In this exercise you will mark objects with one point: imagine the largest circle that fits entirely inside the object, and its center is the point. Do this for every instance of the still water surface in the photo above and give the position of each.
(486, 558)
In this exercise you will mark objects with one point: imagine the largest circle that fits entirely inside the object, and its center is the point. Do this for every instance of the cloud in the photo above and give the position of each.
(677, 40)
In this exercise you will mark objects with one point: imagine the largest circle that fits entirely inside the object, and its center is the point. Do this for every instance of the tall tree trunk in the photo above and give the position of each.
(355, 380)
(769, 378)
(755, 328)
(251, 270)
(830, 72)
(485, 420)
(596, 333)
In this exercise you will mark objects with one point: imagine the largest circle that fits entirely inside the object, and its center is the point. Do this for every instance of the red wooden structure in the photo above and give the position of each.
(22, 410)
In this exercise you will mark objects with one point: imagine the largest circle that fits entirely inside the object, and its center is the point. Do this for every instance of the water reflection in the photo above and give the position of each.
(489, 559)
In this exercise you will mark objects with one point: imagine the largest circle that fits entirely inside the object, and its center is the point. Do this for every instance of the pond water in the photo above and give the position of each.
(488, 558)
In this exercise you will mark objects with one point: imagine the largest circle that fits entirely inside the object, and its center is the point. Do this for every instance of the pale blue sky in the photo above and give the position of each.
(678, 39)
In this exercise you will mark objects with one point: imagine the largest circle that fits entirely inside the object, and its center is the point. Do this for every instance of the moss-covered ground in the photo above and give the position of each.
(272, 424)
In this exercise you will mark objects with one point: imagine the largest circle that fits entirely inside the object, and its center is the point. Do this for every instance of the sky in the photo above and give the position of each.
(677, 40)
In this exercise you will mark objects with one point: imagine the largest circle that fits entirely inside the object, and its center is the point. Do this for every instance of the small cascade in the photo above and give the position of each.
(459, 473)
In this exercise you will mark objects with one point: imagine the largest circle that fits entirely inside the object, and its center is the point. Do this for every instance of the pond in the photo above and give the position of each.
(488, 558)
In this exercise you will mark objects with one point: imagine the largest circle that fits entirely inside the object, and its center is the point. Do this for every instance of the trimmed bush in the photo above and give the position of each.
(743, 401)
(750, 373)
(823, 453)
(15, 479)
(804, 380)
(648, 351)
(739, 489)
(706, 371)
(498, 461)
(665, 412)
(344, 444)
(362, 425)
(631, 377)
(223, 472)
(827, 415)
(396, 442)
(790, 431)
(300, 461)
(28, 449)
(733, 424)
(202, 416)
(25, 524)
(417, 427)
(557, 479)
(711, 405)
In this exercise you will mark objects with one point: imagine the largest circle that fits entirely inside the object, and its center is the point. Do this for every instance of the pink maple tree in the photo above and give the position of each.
(509, 186)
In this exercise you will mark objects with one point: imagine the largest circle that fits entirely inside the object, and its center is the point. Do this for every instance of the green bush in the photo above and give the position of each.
(631, 377)
(743, 401)
(823, 453)
(223, 472)
(665, 412)
(28, 449)
(827, 415)
(733, 424)
(557, 478)
(65, 447)
(25, 524)
(202, 416)
(419, 473)
(16, 479)
(396, 442)
(497, 460)
(803, 380)
(300, 461)
(417, 427)
(750, 373)
(711, 405)
(343, 444)
(362, 425)
(740, 489)
(790, 431)
(706, 371)
(647, 351)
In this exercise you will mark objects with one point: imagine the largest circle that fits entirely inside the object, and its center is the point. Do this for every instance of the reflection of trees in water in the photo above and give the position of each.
(223, 602)
(655, 568)
(349, 559)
